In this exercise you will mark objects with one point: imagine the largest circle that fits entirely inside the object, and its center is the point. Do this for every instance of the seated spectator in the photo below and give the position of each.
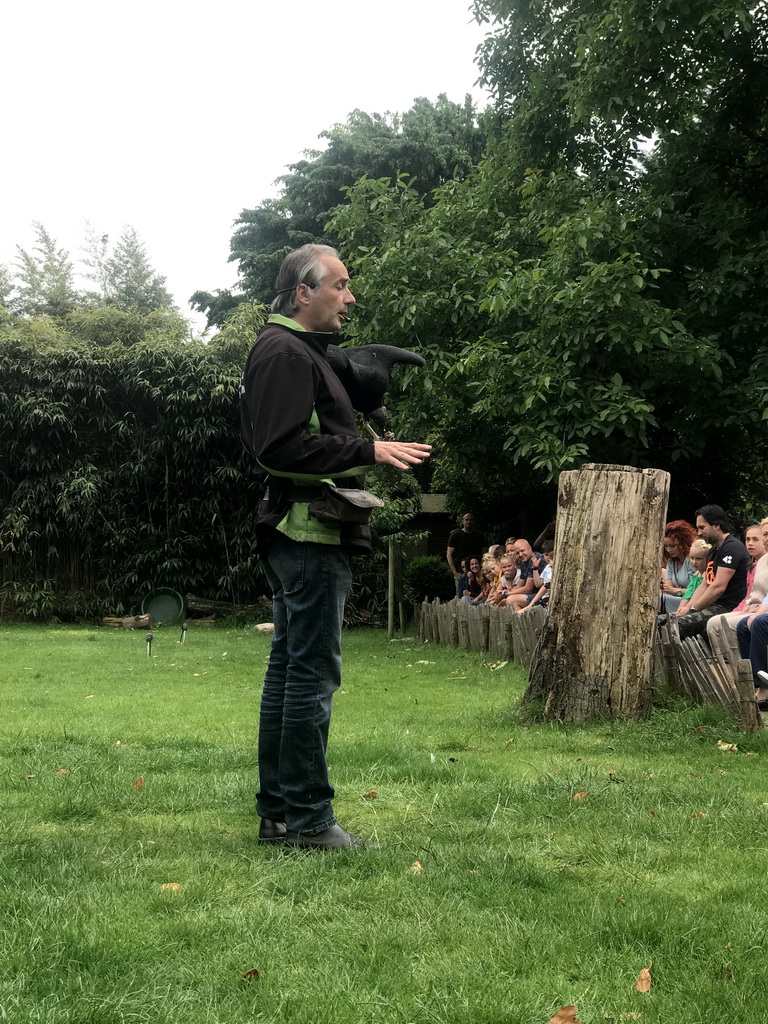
(501, 591)
(523, 589)
(461, 582)
(678, 537)
(724, 626)
(752, 635)
(698, 558)
(509, 548)
(474, 581)
(496, 551)
(543, 579)
(725, 578)
(492, 574)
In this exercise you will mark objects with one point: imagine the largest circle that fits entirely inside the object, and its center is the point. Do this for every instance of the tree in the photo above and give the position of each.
(123, 274)
(576, 293)
(44, 278)
(6, 286)
(433, 142)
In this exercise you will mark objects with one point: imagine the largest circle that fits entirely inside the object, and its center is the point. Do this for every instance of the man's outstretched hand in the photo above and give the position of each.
(401, 454)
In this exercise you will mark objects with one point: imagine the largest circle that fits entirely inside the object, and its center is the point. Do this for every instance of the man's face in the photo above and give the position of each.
(323, 308)
(706, 530)
(523, 551)
(468, 523)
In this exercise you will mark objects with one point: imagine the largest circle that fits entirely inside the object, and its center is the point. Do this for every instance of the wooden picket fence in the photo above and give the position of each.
(706, 675)
(688, 666)
(483, 628)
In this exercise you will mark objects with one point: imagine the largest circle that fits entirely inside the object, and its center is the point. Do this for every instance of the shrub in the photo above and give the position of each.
(429, 576)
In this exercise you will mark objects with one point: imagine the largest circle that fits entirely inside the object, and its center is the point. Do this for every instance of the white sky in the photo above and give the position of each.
(172, 117)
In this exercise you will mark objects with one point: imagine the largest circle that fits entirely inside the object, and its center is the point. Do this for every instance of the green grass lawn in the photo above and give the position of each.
(526, 898)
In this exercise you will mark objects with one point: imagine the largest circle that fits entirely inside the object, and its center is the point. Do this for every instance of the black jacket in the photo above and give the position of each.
(286, 378)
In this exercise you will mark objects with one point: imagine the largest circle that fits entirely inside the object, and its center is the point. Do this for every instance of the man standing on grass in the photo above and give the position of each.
(299, 425)
(725, 579)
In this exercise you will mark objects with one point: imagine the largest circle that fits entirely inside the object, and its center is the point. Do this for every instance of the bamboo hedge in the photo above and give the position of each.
(122, 467)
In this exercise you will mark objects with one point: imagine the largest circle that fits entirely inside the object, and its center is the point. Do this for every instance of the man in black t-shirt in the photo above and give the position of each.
(725, 580)
(465, 543)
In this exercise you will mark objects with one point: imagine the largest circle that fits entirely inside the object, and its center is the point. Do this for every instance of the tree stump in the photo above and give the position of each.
(595, 654)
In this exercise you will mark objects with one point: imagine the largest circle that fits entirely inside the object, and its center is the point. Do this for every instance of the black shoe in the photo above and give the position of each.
(333, 838)
(272, 831)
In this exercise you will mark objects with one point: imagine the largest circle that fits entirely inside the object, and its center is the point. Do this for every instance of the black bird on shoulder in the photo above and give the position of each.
(364, 372)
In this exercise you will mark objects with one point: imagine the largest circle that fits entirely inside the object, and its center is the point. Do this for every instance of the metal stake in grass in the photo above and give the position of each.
(149, 639)
(183, 633)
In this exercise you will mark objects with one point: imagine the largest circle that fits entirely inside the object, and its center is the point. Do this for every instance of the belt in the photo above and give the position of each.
(301, 492)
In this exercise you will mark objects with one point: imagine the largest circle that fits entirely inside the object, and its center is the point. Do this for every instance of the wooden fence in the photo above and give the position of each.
(483, 628)
(706, 675)
(688, 666)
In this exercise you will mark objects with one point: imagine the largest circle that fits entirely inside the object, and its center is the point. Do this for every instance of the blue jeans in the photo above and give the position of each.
(310, 584)
(753, 641)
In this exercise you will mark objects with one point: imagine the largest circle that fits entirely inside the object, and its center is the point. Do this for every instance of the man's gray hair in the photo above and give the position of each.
(302, 266)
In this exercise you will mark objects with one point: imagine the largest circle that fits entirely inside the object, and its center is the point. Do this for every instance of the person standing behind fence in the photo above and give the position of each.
(725, 578)
(465, 543)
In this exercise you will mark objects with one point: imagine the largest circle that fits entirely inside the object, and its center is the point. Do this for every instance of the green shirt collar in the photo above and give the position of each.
(285, 321)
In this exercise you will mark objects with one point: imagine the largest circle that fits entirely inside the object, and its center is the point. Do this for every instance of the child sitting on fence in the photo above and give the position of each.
(698, 557)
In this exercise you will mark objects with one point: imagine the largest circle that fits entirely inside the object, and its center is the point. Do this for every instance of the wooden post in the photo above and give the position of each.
(594, 657)
(391, 590)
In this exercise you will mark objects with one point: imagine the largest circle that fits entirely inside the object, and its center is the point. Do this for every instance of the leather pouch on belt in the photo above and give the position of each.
(343, 505)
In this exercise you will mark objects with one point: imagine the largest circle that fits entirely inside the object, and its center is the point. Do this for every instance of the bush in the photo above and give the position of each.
(429, 576)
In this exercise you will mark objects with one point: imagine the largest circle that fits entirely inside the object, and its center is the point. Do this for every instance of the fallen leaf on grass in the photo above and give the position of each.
(699, 814)
(565, 1015)
(30, 776)
(417, 868)
(90, 696)
(702, 728)
(250, 975)
(139, 784)
(727, 748)
(171, 886)
(371, 795)
(651, 814)
(62, 771)
(643, 983)
(581, 795)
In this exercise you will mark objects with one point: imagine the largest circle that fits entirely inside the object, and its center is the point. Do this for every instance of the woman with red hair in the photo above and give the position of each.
(678, 537)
